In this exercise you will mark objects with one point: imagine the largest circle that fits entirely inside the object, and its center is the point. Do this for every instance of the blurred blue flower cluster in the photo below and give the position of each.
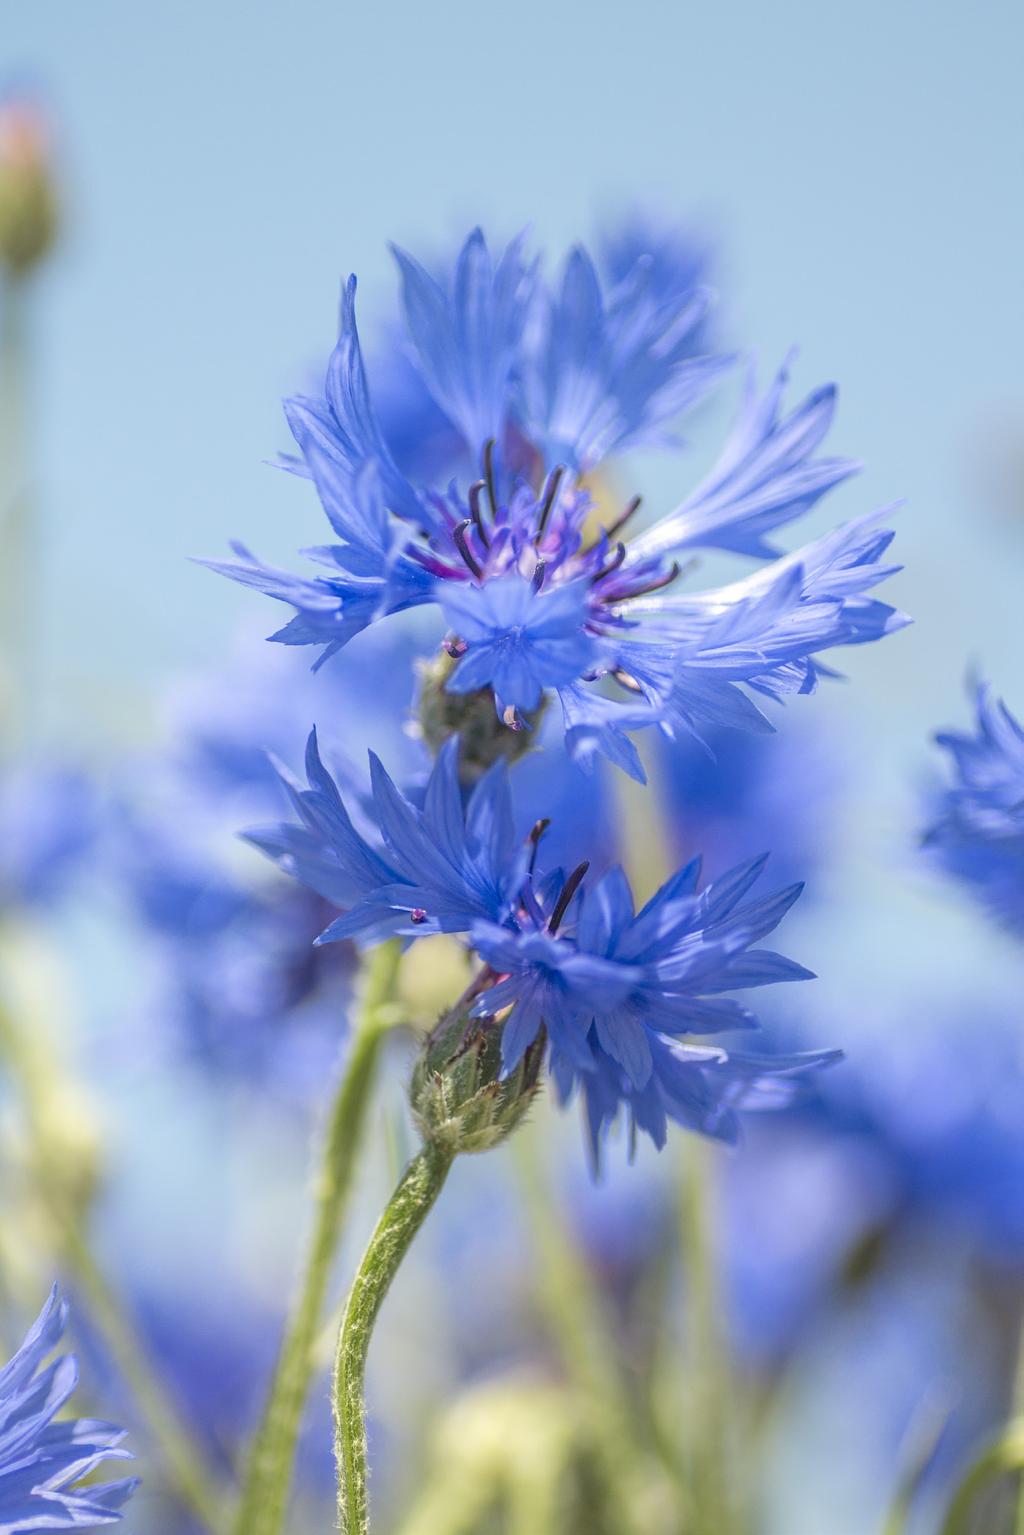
(978, 826)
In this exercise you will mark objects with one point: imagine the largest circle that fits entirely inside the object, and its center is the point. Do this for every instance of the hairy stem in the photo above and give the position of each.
(264, 1497)
(405, 1213)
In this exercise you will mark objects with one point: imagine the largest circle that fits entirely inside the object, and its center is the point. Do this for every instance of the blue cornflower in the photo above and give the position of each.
(617, 992)
(435, 869)
(543, 383)
(42, 1461)
(618, 988)
(979, 826)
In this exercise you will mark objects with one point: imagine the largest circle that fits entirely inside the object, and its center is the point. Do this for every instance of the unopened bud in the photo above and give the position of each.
(28, 202)
(459, 1097)
(485, 739)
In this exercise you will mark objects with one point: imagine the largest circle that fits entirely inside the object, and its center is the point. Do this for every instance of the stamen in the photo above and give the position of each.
(492, 494)
(627, 680)
(613, 564)
(476, 511)
(539, 828)
(620, 522)
(538, 575)
(511, 718)
(453, 646)
(550, 493)
(462, 545)
(569, 889)
(653, 586)
(418, 915)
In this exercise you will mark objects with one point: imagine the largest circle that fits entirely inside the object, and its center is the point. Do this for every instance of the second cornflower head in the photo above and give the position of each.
(615, 997)
(544, 382)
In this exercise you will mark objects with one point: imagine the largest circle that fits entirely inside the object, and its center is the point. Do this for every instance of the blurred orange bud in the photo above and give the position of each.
(28, 202)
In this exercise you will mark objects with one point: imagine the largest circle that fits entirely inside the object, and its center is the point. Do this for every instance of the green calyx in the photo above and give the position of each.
(459, 1097)
(485, 739)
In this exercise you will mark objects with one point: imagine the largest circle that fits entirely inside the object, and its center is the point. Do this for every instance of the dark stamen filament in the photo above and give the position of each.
(653, 586)
(492, 494)
(569, 889)
(538, 576)
(462, 544)
(550, 493)
(612, 564)
(620, 522)
(540, 827)
(476, 511)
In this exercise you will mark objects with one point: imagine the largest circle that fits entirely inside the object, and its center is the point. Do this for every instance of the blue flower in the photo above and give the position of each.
(543, 384)
(617, 989)
(49, 819)
(978, 829)
(435, 869)
(42, 1461)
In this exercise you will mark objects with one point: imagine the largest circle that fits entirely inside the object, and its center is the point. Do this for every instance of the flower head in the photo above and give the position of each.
(616, 992)
(979, 827)
(543, 383)
(431, 869)
(43, 1459)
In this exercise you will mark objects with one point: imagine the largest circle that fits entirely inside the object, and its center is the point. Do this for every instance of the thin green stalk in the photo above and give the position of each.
(15, 508)
(1001, 1457)
(708, 1421)
(405, 1213)
(38, 1075)
(264, 1496)
(184, 1460)
(632, 1483)
(1018, 1407)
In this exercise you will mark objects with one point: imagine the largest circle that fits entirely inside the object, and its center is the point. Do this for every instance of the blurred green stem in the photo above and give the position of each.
(15, 512)
(1001, 1457)
(1018, 1408)
(46, 1098)
(707, 1375)
(192, 1479)
(583, 1335)
(403, 1216)
(264, 1497)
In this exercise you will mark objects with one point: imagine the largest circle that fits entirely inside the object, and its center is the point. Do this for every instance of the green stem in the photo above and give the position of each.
(264, 1497)
(1001, 1457)
(708, 1370)
(405, 1213)
(1018, 1408)
(39, 1080)
(581, 1331)
(15, 509)
(183, 1458)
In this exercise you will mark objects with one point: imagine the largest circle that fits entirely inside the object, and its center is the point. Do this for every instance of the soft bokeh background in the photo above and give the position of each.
(222, 167)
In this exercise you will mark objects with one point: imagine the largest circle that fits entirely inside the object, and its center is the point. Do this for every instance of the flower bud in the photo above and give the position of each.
(28, 203)
(459, 1097)
(485, 739)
